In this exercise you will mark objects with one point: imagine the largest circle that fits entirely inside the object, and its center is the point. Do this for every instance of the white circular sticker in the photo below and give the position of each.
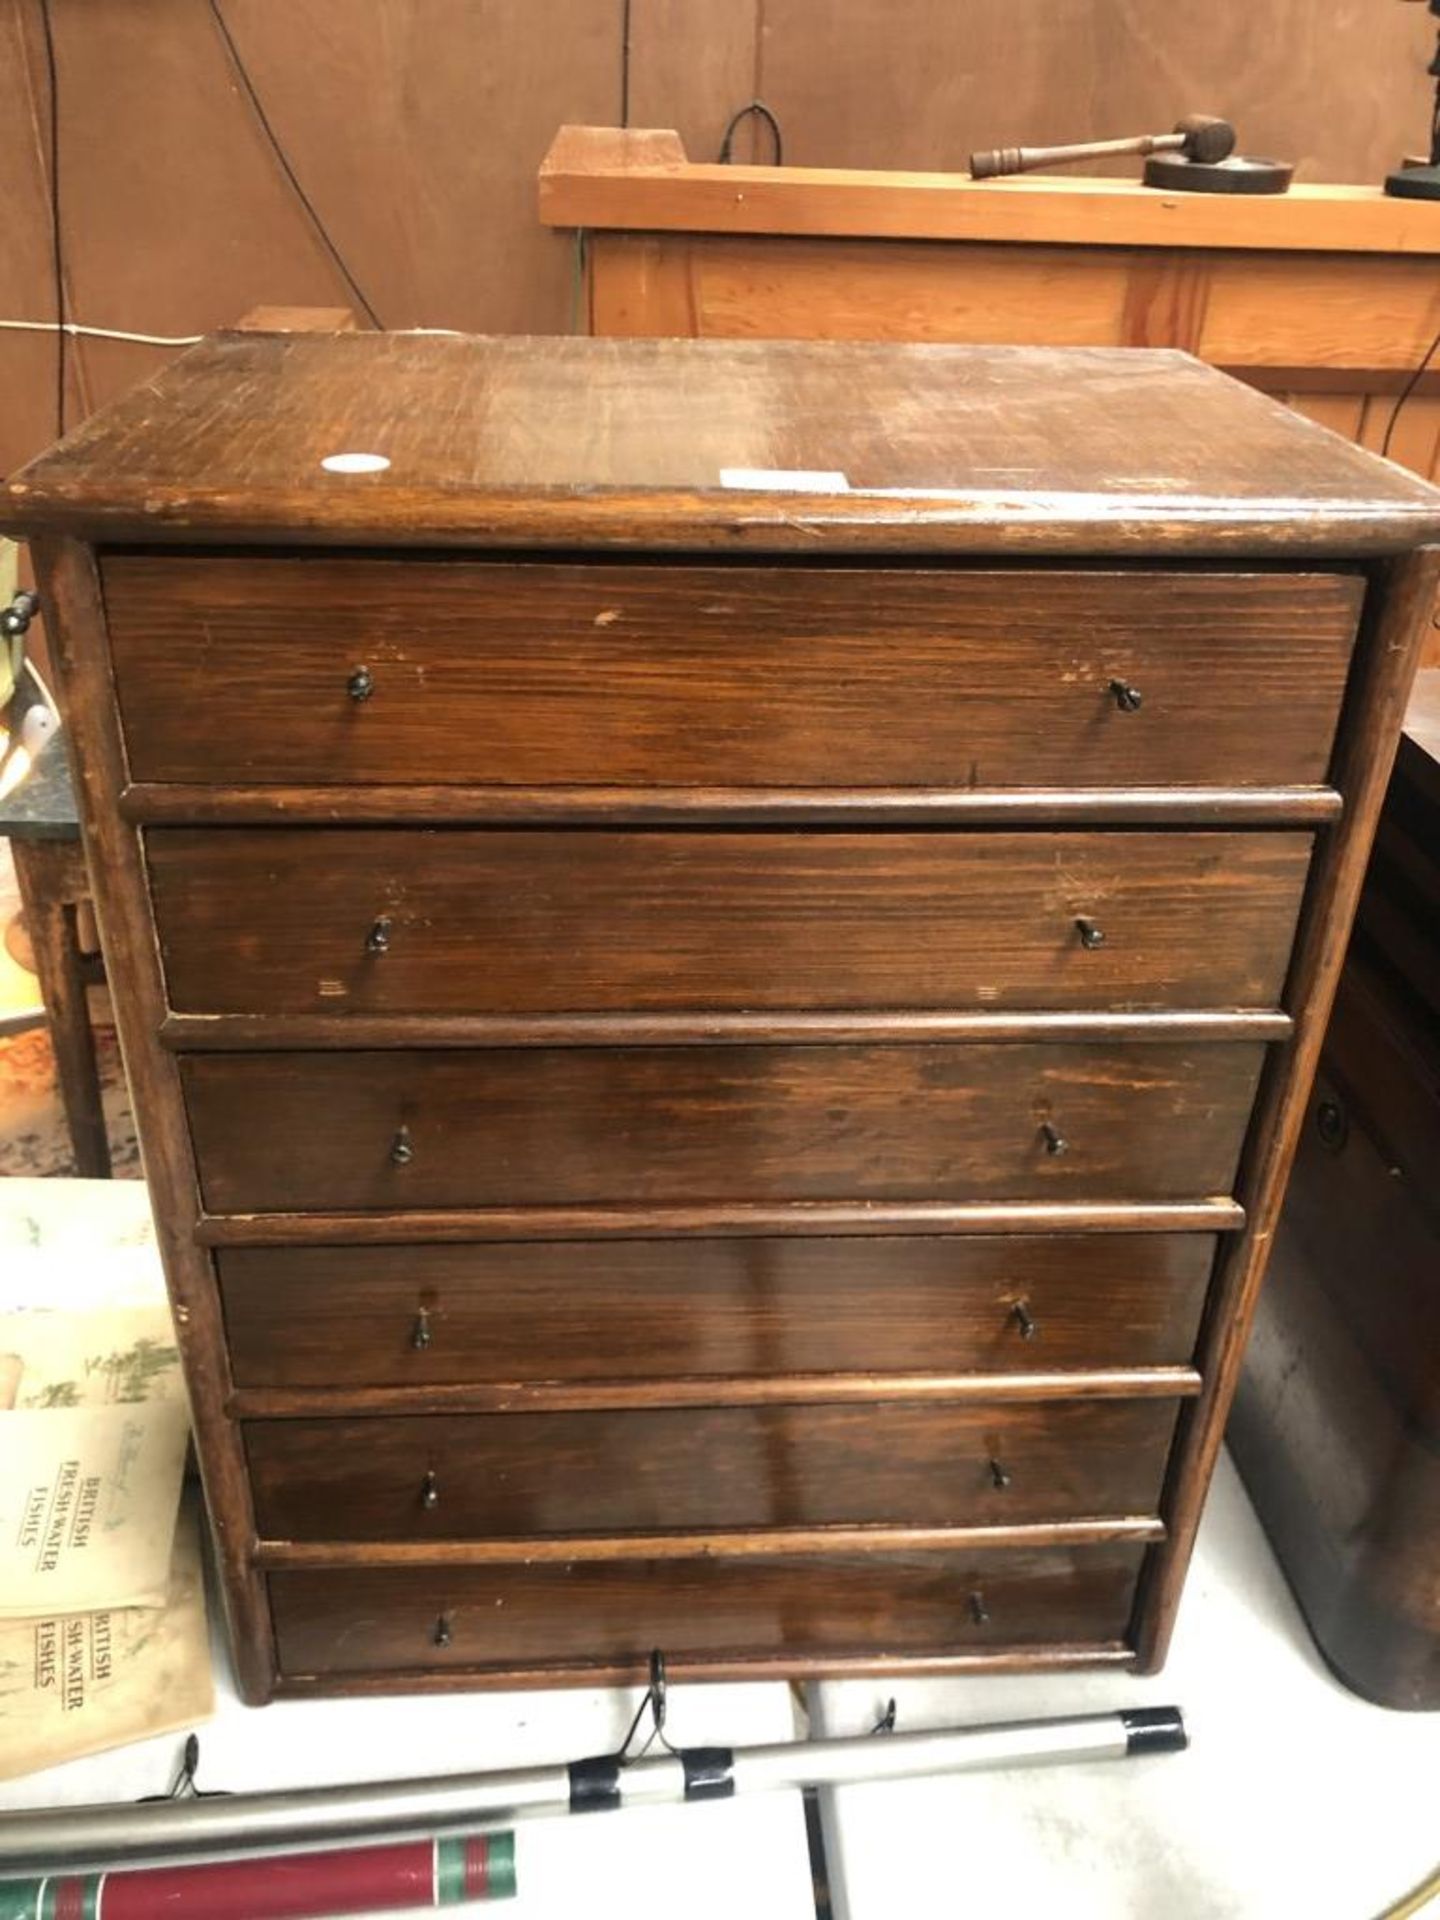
(355, 463)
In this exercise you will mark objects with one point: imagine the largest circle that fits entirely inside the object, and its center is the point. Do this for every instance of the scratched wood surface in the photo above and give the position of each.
(561, 441)
(682, 676)
(591, 1125)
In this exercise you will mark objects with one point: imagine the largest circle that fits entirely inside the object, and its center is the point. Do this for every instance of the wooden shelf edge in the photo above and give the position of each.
(640, 180)
(1215, 1215)
(241, 1032)
(681, 1667)
(274, 1556)
(539, 1396)
(158, 803)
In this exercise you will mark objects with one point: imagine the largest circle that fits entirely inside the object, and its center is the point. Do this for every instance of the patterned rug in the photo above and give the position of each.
(33, 1135)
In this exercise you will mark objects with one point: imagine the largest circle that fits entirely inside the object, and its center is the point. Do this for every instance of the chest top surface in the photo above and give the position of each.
(753, 445)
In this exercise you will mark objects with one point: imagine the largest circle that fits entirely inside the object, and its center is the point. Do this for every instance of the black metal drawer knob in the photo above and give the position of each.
(402, 1151)
(1020, 1314)
(429, 1493)
(442, 1635)
(1055, 1142)
(1091, 935)
(1127, 698)
(360, 685)
(420, 1332)
(979, 1612)
(377, 940)
(999, 1477)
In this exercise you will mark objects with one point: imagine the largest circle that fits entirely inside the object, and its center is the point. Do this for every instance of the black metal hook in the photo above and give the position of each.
(183, 1786)
(656, 1700)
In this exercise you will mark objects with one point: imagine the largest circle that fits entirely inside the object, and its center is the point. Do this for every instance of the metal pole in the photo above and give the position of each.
(77, 1839)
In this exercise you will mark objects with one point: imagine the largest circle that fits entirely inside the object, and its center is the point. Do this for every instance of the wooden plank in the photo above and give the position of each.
(1342, 413)
(952, 450)
(692, 64)
(1033, 209)
(297, 320)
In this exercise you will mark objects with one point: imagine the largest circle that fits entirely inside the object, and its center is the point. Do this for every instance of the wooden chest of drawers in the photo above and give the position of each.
(720, 957)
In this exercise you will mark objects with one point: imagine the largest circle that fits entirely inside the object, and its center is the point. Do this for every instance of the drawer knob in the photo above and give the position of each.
(360, 685)
(1020, 1314)
(1091, 935)
(442, 1636)
(1332, 1124)
(979, 1612)
(377, 940)
(429, 1493)
(999, 1478)
(402, 1153)
(1055, 1145)
(1127, 698)
(420, 1332)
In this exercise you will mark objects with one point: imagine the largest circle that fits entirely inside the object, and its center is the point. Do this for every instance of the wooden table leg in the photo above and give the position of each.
(51, 876)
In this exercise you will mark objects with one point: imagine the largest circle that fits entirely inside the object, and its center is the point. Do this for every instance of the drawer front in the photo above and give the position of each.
(392, 921)
(612, 1612)
(237, 670)
(656, 1470)
(547, 1126)
(658, 1309)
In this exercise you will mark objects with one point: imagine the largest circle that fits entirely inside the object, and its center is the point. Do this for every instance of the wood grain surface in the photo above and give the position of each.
(287, 920)
(672, 1469)
(613, 1612)
(233, 670)
(535, 1127)
(634, 1310)
(562, 442)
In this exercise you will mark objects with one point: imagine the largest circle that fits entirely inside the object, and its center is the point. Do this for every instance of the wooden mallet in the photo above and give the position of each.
(1199, 137)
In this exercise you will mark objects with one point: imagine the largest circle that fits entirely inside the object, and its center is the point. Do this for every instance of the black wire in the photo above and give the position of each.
(1406, 391)
(732, 126)
(57, 252)
(625, 63)
(243, 75)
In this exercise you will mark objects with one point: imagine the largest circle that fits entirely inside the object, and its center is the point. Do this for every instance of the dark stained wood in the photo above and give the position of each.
(745, 1218)
(470, 1476)
(740, 1390)
(1336, 1425)
(742, 806)
(1062, 1658)
(53, 887)
(626, 676)
(646, 1015)
(241, 1032)
(752, 1544)
(280, 920)
(560, 442)
(613, 1612)
(542, 1127)
(1394, 633)
(76, 621)
(632, 1310)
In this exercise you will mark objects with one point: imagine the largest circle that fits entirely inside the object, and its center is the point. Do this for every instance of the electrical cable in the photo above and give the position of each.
(75, 330)
(625, 62)
(57, 253)
(1405, 392)
(242, 73)
(759, 111)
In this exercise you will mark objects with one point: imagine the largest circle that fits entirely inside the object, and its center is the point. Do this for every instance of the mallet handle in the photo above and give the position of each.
(1005, 160)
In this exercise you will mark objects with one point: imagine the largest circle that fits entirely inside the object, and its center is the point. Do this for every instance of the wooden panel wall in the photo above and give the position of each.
(417, 127)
